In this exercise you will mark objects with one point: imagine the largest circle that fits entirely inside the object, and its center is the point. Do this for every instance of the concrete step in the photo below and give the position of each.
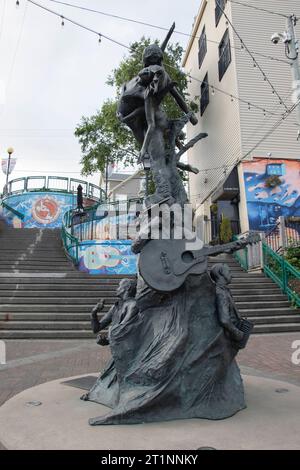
(277, 328)
(264, 290)
(47, 334)
(40, 264)
(252, 280)
(270, 312)
(51, 308)
(259, 297)
(97, 287)
(74, 276)
(73, 300)
(276, 320)
(252, 312)
(54, 317)
(259, 305)
(50, 294)
(46, 325)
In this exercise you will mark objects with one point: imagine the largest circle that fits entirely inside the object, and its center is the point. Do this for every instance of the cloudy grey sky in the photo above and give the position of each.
(53, 75)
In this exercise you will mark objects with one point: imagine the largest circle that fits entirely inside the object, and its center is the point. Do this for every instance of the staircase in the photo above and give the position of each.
(43, 296)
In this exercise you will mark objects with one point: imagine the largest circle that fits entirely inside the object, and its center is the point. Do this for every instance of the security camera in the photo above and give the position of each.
(276, 38)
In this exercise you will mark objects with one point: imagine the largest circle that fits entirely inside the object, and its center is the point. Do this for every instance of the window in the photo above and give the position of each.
(202, 47)
(220, 5)
(204, 99)
(224, 54)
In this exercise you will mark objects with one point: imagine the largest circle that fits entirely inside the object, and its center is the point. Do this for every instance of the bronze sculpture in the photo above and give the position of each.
(174, 348)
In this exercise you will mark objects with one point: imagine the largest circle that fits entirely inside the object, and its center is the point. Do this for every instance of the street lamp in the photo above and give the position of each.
(10, 151)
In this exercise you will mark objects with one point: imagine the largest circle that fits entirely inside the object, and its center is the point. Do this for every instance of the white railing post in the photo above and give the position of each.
(282, 232)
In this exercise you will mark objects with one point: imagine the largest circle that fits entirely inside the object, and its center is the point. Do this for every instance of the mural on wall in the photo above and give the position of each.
(40, 210)
(107, 257)
(272, 190)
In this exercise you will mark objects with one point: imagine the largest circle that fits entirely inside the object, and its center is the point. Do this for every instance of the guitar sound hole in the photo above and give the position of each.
(187, 257)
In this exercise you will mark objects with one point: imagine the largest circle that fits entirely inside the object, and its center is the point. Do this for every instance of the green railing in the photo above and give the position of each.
(71, 245)
(12, 210)
(87, 223)
(241, 255)
(282, 273)
(54, 184)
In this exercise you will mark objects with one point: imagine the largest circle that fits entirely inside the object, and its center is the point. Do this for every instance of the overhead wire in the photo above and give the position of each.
(162, 28)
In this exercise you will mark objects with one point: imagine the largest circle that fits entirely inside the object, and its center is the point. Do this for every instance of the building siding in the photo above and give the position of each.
(256, 29)
(221, 117)
(233, 129)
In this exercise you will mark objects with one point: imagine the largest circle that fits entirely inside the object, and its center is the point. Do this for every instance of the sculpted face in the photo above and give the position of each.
(152, 55)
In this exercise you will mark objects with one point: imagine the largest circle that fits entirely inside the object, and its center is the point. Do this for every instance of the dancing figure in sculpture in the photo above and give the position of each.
(140, 108)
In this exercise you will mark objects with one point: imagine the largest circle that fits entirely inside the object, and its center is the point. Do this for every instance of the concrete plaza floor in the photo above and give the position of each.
(30, 363)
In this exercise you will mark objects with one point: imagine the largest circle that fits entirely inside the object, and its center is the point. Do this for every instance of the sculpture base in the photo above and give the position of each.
(60, 422)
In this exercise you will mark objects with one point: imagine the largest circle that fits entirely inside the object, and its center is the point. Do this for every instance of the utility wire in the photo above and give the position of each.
(266, 135)
(258, 8)
(64, 18)
(12, 67)
(255, 63)
(162, 28)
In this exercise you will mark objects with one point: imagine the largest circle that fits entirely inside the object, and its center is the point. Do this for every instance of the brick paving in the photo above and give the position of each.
(30, 363)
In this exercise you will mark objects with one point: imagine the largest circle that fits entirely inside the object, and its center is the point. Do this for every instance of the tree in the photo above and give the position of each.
(101, 136)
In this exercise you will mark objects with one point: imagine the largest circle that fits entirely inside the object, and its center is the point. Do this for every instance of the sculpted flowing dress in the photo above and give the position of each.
(171, 361)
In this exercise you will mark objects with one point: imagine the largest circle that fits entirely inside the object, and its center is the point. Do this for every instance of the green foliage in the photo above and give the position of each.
(101, 136)
(225, 230)
(273, 181)
(292, 255)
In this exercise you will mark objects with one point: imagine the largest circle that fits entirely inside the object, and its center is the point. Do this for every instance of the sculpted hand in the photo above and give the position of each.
(193, 119)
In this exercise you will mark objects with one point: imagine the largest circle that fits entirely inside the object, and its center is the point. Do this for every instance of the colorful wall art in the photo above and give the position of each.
(272, 190)
(107, 257)
(40, 209)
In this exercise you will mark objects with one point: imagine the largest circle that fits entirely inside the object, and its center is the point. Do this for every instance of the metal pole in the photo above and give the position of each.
(8, 168)
(106, 178)
(293, 56)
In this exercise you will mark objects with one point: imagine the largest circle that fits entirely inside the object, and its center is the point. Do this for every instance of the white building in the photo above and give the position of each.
(238, 128)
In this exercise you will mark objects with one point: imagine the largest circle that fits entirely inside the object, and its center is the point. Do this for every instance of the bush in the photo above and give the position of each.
(292, 255)
(273, 181)
(225, 230)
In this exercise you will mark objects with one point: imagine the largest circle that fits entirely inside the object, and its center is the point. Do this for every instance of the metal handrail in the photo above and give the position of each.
(89, 188)
(286, 276)
(70, 240)
(14, 211)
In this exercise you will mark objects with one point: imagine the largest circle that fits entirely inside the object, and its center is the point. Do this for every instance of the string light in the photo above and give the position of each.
(17, 4)
(100, 36)
(212, 90)
(249, 106)
(231, 98)
(62, 21)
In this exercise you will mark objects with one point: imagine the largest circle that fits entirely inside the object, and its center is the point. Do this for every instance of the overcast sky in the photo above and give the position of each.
(53, 75)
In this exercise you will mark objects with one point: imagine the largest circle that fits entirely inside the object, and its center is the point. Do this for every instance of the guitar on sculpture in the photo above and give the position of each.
(165, 264)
